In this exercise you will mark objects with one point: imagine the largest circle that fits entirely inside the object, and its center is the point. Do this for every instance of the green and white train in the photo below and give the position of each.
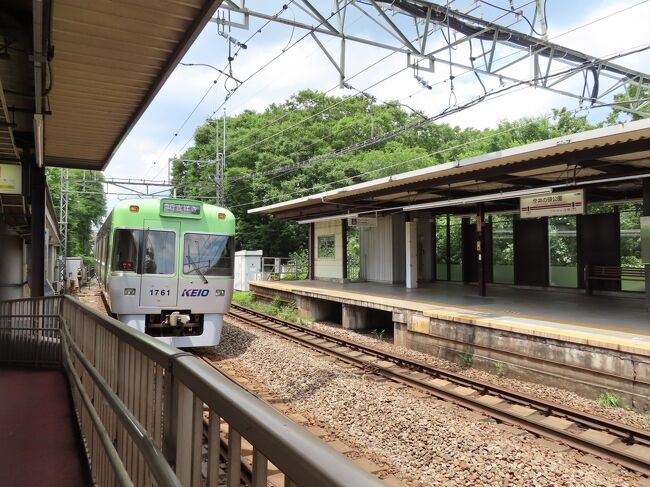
(165, 267)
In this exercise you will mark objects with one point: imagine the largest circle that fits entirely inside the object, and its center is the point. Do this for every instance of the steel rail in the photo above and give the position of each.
(627, 434)
(510, 353)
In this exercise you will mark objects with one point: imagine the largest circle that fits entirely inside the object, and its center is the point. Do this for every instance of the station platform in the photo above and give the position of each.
(564, 338)
(618, 322)
(39, 440)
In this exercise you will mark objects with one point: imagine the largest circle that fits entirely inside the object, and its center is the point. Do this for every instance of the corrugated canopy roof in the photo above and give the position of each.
(616, 158)
(107, 60)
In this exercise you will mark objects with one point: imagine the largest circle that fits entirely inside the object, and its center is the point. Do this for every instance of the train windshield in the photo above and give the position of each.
(208, 255)
(153, 254)
(126, 244)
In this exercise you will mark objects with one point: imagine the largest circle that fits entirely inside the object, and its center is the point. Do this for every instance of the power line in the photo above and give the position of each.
(221, 73)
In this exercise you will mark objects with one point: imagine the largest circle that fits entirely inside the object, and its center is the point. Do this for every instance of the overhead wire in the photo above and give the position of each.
(221, 73)
(265, 65)
(570, 30)
(331, 89)
(449, 110)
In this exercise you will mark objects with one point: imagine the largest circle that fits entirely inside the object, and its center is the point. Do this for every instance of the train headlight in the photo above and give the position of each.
(220, 292)
(129, 291)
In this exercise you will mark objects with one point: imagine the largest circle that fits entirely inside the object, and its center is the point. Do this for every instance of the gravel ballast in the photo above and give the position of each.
(553, 394)
(419, 439)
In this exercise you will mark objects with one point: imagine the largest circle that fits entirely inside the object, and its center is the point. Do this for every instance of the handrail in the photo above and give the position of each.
(160, 469)
(140, 407)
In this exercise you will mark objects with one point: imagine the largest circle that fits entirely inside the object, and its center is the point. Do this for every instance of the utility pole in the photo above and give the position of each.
(63, 223)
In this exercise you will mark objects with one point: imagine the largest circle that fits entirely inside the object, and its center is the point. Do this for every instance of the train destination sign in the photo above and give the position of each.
(11, 179)
(181, 209)
(552, 204)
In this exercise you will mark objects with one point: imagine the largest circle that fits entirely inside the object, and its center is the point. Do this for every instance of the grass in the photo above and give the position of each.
(500, 369)
(274, 308)
(378, 334)
(466, 359)
(609, 400)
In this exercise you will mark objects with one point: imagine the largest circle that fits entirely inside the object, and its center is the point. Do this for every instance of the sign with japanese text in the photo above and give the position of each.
(11, 179)
(363, 221)
(552, 204)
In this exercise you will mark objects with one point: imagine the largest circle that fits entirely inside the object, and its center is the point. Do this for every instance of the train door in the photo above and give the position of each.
(158, 257)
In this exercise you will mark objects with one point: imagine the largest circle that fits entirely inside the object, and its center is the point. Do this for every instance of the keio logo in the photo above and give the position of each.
(195, 292)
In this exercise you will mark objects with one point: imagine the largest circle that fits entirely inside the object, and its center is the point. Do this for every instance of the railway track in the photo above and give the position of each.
(618, 443)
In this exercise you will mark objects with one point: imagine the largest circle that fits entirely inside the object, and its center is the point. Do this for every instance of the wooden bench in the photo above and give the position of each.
(611, 273)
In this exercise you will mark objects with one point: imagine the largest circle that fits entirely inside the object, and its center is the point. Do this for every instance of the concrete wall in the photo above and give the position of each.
(327, 268)
(585, 369)
(376, 251)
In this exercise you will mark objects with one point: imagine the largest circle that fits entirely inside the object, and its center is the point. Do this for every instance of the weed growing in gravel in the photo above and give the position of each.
(378, 334)
(500, 369)
(274, 308)
(646, 419)
(609, 400)
(466, 359)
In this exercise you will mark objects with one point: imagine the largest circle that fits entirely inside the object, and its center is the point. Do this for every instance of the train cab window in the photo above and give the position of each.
(125, 250)
(159, 253)
(208, 255)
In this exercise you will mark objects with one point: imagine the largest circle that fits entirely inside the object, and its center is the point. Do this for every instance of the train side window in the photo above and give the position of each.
(159, 254)
(125, 250)
(209, 255)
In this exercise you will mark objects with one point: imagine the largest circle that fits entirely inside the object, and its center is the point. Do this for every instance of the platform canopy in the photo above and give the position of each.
(76, 75)
(609, 163)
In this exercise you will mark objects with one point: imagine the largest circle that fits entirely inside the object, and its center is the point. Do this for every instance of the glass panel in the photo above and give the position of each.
(502, 249)
(125, 250)
(563, 251)
(456, 248)
(326, 247)
(208, 255)
(630, 218)
(354, 267)
(441, 248)
(159, 252)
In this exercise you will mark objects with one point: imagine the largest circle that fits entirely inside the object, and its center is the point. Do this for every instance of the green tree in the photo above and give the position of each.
(635, 99)
(86, 206)
(311, 124)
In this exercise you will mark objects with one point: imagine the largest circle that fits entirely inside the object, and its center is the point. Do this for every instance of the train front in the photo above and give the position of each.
(176, 276)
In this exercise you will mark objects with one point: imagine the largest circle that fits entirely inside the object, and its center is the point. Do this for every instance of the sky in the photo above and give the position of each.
(598, 28)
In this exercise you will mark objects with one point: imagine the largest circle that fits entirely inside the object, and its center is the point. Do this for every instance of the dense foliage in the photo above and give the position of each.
(86, 206)
(310, 124)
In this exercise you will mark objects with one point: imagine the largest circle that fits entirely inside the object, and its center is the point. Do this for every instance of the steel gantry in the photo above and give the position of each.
(431, 35)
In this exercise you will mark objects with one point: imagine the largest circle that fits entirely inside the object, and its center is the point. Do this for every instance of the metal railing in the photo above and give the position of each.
(278, 268)
(151, 414)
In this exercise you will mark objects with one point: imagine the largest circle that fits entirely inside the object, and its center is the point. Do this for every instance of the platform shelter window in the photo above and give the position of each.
(159, 253)
(441, 248)
(449, 248)
(126, 243)
(563, 251)
(326, 249)
(456, 247)
(503, 254)
(630, 224)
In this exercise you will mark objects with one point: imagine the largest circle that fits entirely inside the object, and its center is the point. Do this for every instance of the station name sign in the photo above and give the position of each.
(553, 204)
(11, 179)
(363, 221)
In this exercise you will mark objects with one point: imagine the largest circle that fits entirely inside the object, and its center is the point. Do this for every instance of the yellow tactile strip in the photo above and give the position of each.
(626, 342)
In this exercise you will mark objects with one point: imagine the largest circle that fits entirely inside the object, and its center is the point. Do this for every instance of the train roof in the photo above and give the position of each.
(132, 212)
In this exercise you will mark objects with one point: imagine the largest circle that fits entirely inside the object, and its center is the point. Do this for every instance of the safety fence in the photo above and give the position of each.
(151, 414)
